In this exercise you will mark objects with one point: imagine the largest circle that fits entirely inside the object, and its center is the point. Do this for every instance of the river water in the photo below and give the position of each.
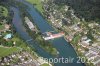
(17, 22)
(64, 48)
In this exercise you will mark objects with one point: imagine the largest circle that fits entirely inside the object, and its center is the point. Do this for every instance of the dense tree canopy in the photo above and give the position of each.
(89, 9)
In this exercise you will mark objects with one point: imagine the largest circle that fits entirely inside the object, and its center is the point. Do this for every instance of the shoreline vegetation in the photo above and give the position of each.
(39, 37)
(75, 40)
(30, 1)
(46, 45)
(37, 4)
(36, 35)
(20, 45)
(3, 11)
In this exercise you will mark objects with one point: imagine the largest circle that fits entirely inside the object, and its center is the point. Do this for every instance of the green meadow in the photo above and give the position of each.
(4, 51)
(37, 4)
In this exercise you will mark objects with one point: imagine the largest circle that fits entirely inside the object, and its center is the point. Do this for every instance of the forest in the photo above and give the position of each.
(88, 9)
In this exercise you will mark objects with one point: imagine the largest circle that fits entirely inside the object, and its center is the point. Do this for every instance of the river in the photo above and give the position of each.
(17, 23)
(64, 48)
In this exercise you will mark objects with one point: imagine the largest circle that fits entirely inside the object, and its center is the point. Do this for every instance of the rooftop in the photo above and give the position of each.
(8, 36)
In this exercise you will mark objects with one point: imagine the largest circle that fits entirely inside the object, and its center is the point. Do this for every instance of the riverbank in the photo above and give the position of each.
(37, 4)
(36, 35)
(62, 46)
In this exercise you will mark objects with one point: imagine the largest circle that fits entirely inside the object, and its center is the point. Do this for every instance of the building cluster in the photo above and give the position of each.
(21, 58)
(55, 16)
(89, 46)
(89, 32)
(93, 55)
(93, 52)
(18, 59)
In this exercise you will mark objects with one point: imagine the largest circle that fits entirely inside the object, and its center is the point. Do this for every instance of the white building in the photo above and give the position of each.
(29, 23)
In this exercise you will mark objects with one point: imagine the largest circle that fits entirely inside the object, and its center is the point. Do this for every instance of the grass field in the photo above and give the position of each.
(7, 51)
(76, 39)
(3, 11)
(45, 64)
(19, 46)
(2, 27)
(19, 43)
(38, 4)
